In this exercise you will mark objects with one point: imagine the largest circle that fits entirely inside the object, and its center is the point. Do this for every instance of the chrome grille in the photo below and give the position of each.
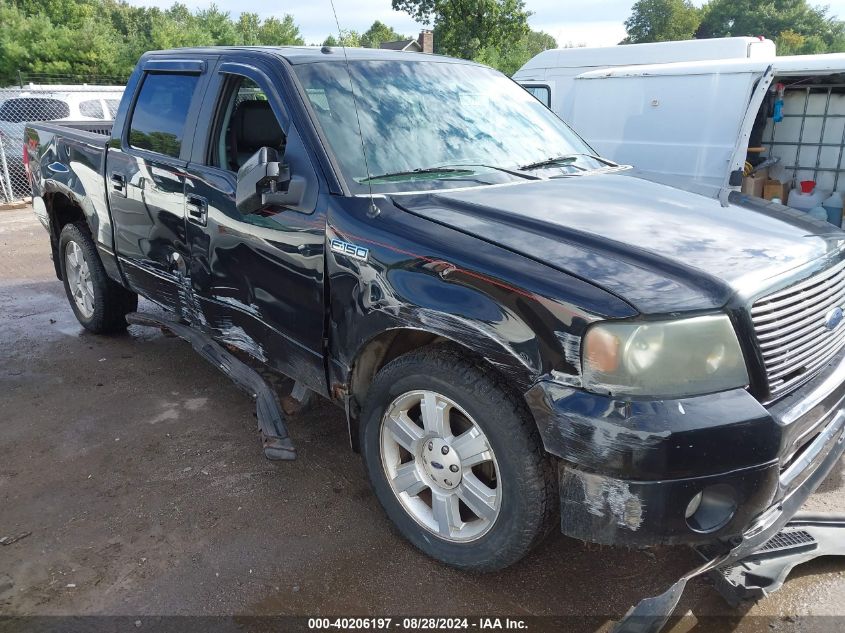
(791, 330)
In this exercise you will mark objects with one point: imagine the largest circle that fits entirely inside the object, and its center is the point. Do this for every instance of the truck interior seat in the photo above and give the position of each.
(253, 126)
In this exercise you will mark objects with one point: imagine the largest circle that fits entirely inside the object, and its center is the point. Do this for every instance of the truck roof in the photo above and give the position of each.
(311, 54)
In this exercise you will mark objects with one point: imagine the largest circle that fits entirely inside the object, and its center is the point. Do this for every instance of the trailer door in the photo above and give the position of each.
(682, 128)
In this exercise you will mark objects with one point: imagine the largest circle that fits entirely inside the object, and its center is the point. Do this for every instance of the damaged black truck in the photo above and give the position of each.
(520, 332)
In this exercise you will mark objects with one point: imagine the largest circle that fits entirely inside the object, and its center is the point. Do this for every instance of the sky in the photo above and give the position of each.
(589, 22)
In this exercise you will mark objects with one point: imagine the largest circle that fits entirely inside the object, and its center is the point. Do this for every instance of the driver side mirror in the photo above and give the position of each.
(263, 181)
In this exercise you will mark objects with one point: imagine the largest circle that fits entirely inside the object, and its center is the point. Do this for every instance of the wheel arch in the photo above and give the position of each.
(387, 345)
(61, 210)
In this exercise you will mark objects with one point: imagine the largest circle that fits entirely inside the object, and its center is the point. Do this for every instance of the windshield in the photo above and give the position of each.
(421, 120)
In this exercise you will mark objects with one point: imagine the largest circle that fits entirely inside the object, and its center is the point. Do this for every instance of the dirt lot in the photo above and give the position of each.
(137, 470)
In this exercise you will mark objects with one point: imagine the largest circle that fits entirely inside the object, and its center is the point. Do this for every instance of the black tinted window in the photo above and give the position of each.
(158, 121)
(92, 108)
(33, 109)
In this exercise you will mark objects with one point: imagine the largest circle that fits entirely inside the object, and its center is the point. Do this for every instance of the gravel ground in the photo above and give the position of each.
(136, 468)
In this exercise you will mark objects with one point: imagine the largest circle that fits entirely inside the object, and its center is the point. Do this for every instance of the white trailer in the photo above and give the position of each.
(549, 75)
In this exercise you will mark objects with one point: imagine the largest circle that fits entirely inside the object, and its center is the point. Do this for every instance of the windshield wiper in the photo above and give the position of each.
(567, 160)
(452, 169)
(419, 171)
(512, 172)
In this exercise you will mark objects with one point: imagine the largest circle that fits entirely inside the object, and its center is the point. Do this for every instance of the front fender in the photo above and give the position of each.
(391, 270)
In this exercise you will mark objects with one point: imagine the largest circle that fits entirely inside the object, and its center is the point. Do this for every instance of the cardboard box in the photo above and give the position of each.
(753, 185)
(776, 189)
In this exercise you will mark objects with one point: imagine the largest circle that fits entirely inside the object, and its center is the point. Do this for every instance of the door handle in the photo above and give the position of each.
(197, 207)
(118, 182)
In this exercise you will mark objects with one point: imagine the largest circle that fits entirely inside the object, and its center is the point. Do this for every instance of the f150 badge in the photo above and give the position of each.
(350, 250)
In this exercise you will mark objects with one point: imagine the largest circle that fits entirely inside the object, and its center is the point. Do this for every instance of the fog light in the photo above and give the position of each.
(693, 505)
(711, 509)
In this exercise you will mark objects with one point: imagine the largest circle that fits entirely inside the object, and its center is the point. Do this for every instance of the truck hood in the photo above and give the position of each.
(661, 249)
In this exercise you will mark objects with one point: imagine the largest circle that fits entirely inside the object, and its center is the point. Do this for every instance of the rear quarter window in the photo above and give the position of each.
(161, 110)
(112, 105)
(92, 108)
(24, 109)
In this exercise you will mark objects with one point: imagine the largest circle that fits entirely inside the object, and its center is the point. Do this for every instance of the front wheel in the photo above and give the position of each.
(99, 303)
(456, 460)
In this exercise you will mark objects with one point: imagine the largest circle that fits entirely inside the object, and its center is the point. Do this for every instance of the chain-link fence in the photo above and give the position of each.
(20, 105)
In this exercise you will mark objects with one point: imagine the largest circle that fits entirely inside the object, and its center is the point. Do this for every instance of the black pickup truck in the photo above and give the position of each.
(519, 331)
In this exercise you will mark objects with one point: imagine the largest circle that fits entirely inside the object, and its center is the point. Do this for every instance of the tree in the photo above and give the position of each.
(249, 29)
(794, 24)
(463, 28)
(791, 43)
(284, 32)
(105, 38)
(511, 56)
(217, 25)
(347, 38)
(379, 32)
(661, 21)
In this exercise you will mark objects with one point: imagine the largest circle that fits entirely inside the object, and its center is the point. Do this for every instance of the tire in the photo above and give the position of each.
(523, 504)
(99, 303)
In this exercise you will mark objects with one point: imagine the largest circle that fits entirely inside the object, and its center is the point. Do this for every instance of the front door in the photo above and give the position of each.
(258, 279)
(145, 178)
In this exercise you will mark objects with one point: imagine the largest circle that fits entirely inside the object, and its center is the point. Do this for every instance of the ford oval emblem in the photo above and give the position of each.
(833, 318)
(437, 465)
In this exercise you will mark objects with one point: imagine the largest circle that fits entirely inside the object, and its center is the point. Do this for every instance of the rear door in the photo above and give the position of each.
(145, 177)
(687, 129)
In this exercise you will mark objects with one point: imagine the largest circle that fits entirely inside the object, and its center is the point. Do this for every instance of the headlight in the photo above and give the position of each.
(663, 358)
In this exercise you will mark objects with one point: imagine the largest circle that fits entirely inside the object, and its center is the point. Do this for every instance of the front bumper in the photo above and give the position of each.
(629, 469)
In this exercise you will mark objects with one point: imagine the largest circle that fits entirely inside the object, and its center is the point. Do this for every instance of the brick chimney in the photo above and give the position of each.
(426, 41)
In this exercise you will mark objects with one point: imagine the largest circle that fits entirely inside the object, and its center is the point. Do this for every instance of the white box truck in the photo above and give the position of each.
(690, 124)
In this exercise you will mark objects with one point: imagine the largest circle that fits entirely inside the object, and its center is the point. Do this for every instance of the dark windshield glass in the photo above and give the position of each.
(418, 115)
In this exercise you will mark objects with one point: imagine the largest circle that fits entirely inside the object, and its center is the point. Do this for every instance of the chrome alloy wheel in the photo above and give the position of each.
(440, 466)
(79, 279)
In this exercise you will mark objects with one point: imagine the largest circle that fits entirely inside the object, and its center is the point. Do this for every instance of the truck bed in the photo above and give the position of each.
(69, 158)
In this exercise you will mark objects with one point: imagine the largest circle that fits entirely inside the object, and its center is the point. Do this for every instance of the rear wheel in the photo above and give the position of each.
(456, 460)
(99, 303)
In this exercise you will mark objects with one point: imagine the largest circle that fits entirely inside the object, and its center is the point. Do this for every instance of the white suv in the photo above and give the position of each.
(46, 103)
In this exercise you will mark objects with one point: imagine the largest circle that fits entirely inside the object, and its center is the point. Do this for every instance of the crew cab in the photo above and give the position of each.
(519, 331)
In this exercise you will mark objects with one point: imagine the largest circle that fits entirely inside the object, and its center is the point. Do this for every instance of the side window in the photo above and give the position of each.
(112, 105)
(33, 109)
(541, 93)
(244, 125)
(92, 108)
(158, 119)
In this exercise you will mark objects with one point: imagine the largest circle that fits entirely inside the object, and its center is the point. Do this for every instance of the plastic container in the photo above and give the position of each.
(833, 206)
(819, 212)
(806, 197)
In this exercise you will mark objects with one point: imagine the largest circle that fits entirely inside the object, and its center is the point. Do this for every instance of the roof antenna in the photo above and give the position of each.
(373, 211)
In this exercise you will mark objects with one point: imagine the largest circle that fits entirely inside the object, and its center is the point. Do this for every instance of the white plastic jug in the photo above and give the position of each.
(806, 196)
(818, 212)
(833, 206)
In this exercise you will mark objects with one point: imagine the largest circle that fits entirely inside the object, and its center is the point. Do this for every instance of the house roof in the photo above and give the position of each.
(401, 45)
